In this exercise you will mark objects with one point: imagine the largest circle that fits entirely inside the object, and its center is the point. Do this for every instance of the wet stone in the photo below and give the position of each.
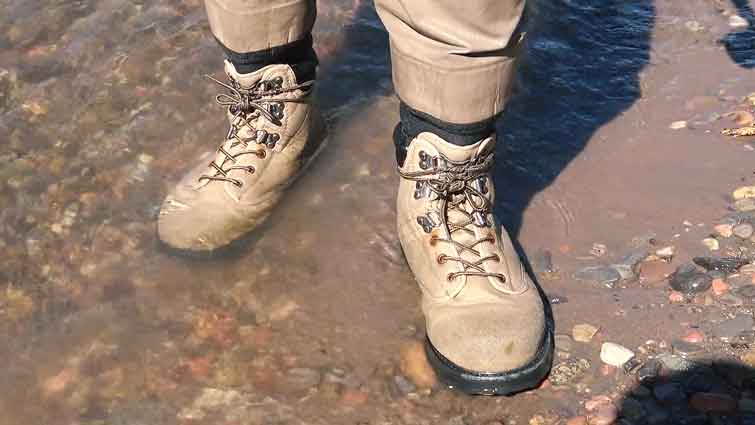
(626, 272)
(303, 378)
(687, 279)
(415, 366)
(602, 275)
(634, 258)
(403, 385)
(674, 363)
(584, 332)
(743, 231)
(615, 354)
(569, 371)
(744, 192)
(733, 327)
(745, 205)
(728, 265)
(655, 271)
(686, 349)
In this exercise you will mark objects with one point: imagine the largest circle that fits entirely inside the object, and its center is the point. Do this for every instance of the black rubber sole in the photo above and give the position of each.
(475, 383)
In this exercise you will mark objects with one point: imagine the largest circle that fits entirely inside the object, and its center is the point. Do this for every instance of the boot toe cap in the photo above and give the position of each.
(488, 338)
(189, 226)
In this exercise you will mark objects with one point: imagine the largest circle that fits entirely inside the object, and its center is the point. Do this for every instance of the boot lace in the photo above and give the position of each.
(453, 182)
(246, 105)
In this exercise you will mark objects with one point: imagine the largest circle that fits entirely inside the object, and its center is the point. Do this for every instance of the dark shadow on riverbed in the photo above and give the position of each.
(708, 392)
(580, 70)
(740, 44)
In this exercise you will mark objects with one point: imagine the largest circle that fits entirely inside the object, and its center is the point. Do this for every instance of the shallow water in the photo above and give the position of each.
(103, 107)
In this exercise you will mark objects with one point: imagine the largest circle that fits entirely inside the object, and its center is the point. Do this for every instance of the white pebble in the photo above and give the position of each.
(615, 354)
(736, 21)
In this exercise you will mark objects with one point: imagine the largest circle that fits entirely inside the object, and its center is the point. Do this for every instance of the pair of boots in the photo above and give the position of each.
(487, 332)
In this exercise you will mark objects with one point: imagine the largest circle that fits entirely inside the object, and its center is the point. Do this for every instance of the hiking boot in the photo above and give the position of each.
(274, 133)
(487, 331)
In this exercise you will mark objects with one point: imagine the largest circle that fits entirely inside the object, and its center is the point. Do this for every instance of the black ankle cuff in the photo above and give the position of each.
(299, 55)
(414, 122)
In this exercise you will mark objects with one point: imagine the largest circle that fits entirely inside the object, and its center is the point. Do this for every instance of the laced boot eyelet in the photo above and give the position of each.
(450, 276)
(262, 154)
(272, 139)
(441, 259)
(497, 258)
(238, 183)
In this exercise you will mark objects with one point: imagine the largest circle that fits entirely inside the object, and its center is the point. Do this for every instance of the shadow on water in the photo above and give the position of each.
(740, 45)
(703, 392)
(359, 68)
(580, 70)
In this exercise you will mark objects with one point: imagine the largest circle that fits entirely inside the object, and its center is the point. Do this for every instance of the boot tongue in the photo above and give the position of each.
(461, 214)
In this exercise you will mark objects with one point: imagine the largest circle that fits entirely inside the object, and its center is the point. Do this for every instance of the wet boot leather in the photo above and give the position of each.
(274, 132)
(487, 331)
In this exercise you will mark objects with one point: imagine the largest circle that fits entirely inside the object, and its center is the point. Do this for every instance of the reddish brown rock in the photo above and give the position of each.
(675, 297)
(693, 336)
(655, 271)
(415, 366)
(57, 384)
(719, 287)
(354, 397)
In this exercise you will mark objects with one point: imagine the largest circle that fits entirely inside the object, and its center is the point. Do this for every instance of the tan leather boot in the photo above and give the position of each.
(274, 133)
(486, 324)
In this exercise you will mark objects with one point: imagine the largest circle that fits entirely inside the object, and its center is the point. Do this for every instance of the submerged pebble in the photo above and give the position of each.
(603, 275)
(615, 354)
(569, 371)
(745, 205)
(743, 230)
(415, 366)
(727, 265)
(584, 332)
(688, 280)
